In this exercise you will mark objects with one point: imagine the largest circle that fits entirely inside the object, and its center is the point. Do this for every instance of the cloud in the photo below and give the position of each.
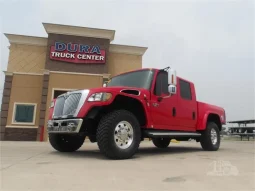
(209, 42)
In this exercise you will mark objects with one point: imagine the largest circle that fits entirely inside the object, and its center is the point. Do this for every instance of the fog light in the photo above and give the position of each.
(50, 123)
(71, 127)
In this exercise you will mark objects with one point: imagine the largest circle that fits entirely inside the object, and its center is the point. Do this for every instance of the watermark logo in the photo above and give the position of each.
(222, 168)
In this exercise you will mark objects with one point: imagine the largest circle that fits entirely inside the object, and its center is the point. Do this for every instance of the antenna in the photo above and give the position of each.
(166, 69)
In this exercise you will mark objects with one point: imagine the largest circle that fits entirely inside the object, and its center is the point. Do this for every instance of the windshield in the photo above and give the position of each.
(138, 79)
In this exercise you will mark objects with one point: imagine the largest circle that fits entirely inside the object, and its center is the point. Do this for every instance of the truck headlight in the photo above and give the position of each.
(102, 96)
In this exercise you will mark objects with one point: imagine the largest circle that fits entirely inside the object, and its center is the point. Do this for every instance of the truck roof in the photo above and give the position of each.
(149, 69)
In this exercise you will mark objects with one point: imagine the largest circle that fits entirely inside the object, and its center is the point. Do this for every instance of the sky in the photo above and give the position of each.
(208, 42)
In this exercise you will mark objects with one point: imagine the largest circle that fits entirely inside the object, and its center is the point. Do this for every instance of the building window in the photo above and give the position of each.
(58, 93)
(185, 90)
(105, 80)
(24, 113)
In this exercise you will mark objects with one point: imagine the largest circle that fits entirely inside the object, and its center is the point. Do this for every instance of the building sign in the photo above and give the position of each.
(77, 53)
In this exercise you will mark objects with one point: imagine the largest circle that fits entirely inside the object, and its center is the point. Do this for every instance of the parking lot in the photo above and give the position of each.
(183, 166)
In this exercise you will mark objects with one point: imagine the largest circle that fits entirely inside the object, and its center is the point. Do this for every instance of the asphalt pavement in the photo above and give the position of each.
(182, 166)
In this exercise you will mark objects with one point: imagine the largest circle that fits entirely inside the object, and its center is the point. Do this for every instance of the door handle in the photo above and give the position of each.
(193, 115)
(174, 112)
(160, 99)
(155, 104)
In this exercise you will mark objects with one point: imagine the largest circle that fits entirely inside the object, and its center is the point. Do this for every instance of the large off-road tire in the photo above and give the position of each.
(161, 142)
(210, 138)
(119, 135)
(92, 138)
(66, 142)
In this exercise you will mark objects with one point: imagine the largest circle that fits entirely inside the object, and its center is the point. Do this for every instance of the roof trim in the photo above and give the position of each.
(28, 40)
(7, 73)
(76, 73)
(79, 31)
(47, 72)
(28, 73)
(134, 50)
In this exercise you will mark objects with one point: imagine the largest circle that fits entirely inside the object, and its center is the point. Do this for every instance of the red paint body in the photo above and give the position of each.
(49, 118)
(160, 117)
(51, 110)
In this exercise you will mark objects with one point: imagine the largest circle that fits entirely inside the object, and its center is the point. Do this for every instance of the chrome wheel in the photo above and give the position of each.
(214, 137)
(123, 134)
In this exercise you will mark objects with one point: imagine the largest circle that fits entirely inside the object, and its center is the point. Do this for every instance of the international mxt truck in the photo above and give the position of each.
(132, 106)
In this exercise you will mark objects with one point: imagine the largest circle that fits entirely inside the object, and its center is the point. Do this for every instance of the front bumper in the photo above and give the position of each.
(64, 126)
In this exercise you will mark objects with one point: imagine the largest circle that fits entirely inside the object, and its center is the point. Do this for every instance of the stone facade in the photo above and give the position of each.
(20, 134)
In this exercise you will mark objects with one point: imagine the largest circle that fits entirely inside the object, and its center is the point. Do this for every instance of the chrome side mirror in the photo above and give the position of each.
(172, 78)
(172, 89)
(104, 85)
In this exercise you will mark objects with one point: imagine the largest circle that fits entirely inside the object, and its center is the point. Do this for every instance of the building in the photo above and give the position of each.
(39, 69)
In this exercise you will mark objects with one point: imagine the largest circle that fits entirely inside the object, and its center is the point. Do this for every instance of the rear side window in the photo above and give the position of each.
(185, 90)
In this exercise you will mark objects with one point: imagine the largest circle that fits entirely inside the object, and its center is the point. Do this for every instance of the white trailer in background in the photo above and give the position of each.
(243, 130)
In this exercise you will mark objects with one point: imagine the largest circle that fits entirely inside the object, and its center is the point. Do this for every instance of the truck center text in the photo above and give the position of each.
(79, 56)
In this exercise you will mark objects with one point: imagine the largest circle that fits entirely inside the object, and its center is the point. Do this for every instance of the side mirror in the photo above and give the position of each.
(172, 89)
(104, 85)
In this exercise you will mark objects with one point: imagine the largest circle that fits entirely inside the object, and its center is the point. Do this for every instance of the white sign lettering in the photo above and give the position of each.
(79, 56)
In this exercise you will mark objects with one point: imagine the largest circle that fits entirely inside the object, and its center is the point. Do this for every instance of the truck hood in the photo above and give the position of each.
(121, 89)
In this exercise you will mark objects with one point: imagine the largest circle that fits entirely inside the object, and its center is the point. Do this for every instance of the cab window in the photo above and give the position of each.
(185, 90)
(161, 86)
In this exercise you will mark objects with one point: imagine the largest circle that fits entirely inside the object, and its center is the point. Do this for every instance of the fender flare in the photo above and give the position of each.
(202, 125)
(92, 111)
(144, 107)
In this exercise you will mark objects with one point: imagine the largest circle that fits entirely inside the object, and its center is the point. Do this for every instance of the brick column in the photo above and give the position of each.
(5, 103)
(43, 104)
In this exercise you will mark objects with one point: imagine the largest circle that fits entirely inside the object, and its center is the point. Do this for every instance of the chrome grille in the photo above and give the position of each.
(71, 103)
(59, 106)
(66, 104)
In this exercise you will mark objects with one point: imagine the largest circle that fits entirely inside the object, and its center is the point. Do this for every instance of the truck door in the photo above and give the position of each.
(187, 105)
(163, 110)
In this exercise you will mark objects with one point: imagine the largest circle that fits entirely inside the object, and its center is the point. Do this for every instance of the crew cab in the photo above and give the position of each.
(146, 103)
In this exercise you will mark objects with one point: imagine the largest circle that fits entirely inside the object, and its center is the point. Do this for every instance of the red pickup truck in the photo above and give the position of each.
(146, 103)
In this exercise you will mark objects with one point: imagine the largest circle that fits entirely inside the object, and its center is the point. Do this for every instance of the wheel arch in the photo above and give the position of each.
(130, 104)
(209, 117)
(213, 117)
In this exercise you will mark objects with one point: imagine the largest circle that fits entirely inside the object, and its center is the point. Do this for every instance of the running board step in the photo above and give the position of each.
(171, 134)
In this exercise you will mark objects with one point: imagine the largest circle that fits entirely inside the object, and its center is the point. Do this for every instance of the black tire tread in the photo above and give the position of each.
(161, 143)
(103, 135)
(206, 139)
(72, 146)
